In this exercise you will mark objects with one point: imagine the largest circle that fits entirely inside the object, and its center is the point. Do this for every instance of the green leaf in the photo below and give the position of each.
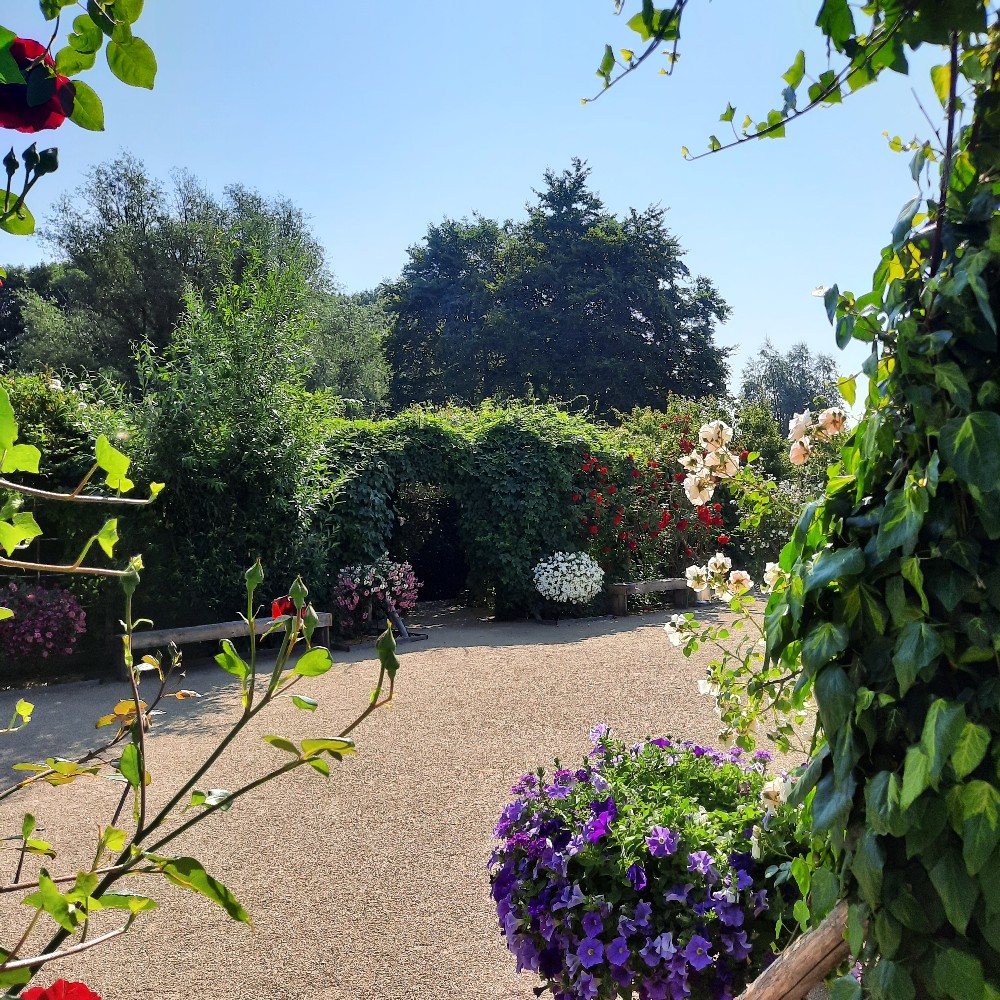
(824, 894)
(386, 649)
(313, 663)
(86, 37)
(107, 538)
(20, 223)
(50, 900)
(128, 10)
(822, 643)
(845, 988)
(957, 974)
(794, 74)
(848, 388)
(890, 981)
(957, 890)
(20, 529)
(129, 765)
(835, 694)
(27, 826)
(115, 464)
(308, 704)
(900, 522)
(335, 747)
(882, 804)
(941, 79)
(607, 64)
(943, 725)
(867, 865)
(916, 776)
(917, 647)
(981, 824)
(10, 72)
(70, 62)
(88, 111)
(232, 662)
(133, 62)
(189, 874)
(21, 458)
(126, 901)
(283, 744)
(970, 749)
(951, 378)
(836, 21)
(831, 565)
(96, 9)
(727, 115)
(971, 445)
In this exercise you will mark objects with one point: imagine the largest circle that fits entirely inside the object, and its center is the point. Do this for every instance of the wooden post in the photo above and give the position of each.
(804, 965)
(619, 599)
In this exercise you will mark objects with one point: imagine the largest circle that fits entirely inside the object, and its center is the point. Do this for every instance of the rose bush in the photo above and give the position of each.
(659, 870)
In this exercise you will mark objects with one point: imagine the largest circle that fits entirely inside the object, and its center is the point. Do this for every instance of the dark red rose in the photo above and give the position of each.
(678, 477)
(636, 473)
(717, 507)
(744, 455)
(632, 546)
(723, 539)
(593, 529)
(584, 520)
(15, 112)
(605, 550)
(682, 524)
(284, 606)
(663, 427)
(623, 536)
(61, 990)
(617, 519)
(612, 488)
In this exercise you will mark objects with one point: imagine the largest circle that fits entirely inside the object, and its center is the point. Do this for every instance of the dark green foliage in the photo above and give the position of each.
(573, 302)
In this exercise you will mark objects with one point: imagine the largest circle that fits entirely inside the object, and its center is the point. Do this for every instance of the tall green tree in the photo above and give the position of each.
(571, 302)
(788, 383)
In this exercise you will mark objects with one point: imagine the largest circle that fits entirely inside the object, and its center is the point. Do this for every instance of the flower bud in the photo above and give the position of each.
(11, 163)
(48, 161)
(31, 157)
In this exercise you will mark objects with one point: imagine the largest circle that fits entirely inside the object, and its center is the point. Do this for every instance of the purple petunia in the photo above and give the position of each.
(637, 877)
(617, 952)
(737, 945)
(662, 842)
(593, 926)
(591, 952)
(701, 861)
(678, 893)
(697, 954)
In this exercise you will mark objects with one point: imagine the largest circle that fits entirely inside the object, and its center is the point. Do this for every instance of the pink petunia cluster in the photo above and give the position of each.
(46, 623)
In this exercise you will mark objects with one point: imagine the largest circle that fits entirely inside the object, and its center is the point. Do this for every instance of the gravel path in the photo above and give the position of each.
(371, 884)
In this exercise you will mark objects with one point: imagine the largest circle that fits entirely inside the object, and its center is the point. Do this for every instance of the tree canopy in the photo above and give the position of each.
(571, 302)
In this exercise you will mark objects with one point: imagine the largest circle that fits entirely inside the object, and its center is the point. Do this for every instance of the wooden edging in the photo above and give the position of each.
(804, 965)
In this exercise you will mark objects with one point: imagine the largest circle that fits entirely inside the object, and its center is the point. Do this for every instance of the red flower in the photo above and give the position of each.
(636, 473)
(654, 534)
(723, 539)
(61, 990)
(605, 550)
(576, 496)
(584, 520)
(623, 536)
(592, 493)
(617, 519)
(653, 465)
(682, 524)
(716, 507)
(690, 552)
(632, 546)
(612, 488)
(744, 455)
(678, 477)
(603, 470)
(284, 606)
(686, 445)
(645, 526)
(593, 529)
(15, 112)
(663, 427)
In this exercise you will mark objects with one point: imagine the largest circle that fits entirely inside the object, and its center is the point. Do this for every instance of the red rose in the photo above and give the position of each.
(617, 519)
(576, 496)
(623, 536)
(15, 112)
(593, 529)
(653, 465)
(592, 493)
(682, 524)
(690, 552)
(663, 427)
(654, 534)
(723, 539)
(284, 606)
(645, 526)
(716, 507)
(584, 520)
(612, 488)
(636, 473)
(744, 455)
(61, 990)
(678, 477)
(632, 546)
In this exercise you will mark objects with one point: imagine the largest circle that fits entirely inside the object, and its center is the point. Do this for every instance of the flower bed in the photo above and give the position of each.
(656, 870)
(46, 624)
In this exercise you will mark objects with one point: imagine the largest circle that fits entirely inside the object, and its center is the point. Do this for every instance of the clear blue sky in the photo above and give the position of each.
(378, 120)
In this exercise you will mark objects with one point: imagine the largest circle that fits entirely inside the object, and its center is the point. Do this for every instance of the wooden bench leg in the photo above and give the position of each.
(619, 599)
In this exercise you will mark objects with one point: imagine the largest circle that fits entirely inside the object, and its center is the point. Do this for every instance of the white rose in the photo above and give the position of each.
(739, 581)
(800, 451)
(832, 422)
(699, 489)
(722, 463)
(798, 426)
(697, 577)
(716, 434)
(773, 573)
(719, 565)
(691, 462)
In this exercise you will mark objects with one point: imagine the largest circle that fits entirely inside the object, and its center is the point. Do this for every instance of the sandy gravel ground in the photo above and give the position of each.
(371, 884)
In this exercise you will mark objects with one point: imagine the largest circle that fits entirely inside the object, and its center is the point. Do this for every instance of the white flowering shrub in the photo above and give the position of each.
(569, 578)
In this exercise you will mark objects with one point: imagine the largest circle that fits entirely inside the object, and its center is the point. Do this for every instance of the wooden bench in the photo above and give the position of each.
(619, 592)
(157, 638)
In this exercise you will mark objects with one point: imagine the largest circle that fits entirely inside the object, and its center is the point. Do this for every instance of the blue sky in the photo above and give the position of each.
(378, 120)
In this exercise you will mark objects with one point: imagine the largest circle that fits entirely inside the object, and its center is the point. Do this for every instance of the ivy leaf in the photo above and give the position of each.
(189, 874)
(107, 538)
(845, 988)
(115, 464)
(917, 647)
(956, 889)
(727, 115)
(971, 446)
(889, 980)
(958, 975)
(951, 378)
(916, 776)
(824, 641)
(867, 865)
(981, 824)
(836, 21)
(970, 749)
(832, 565)
(20, 529)
(943, 725)
(900, 522)
(941, 79)
(794, 74)
(882, 804)
(835, 694)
